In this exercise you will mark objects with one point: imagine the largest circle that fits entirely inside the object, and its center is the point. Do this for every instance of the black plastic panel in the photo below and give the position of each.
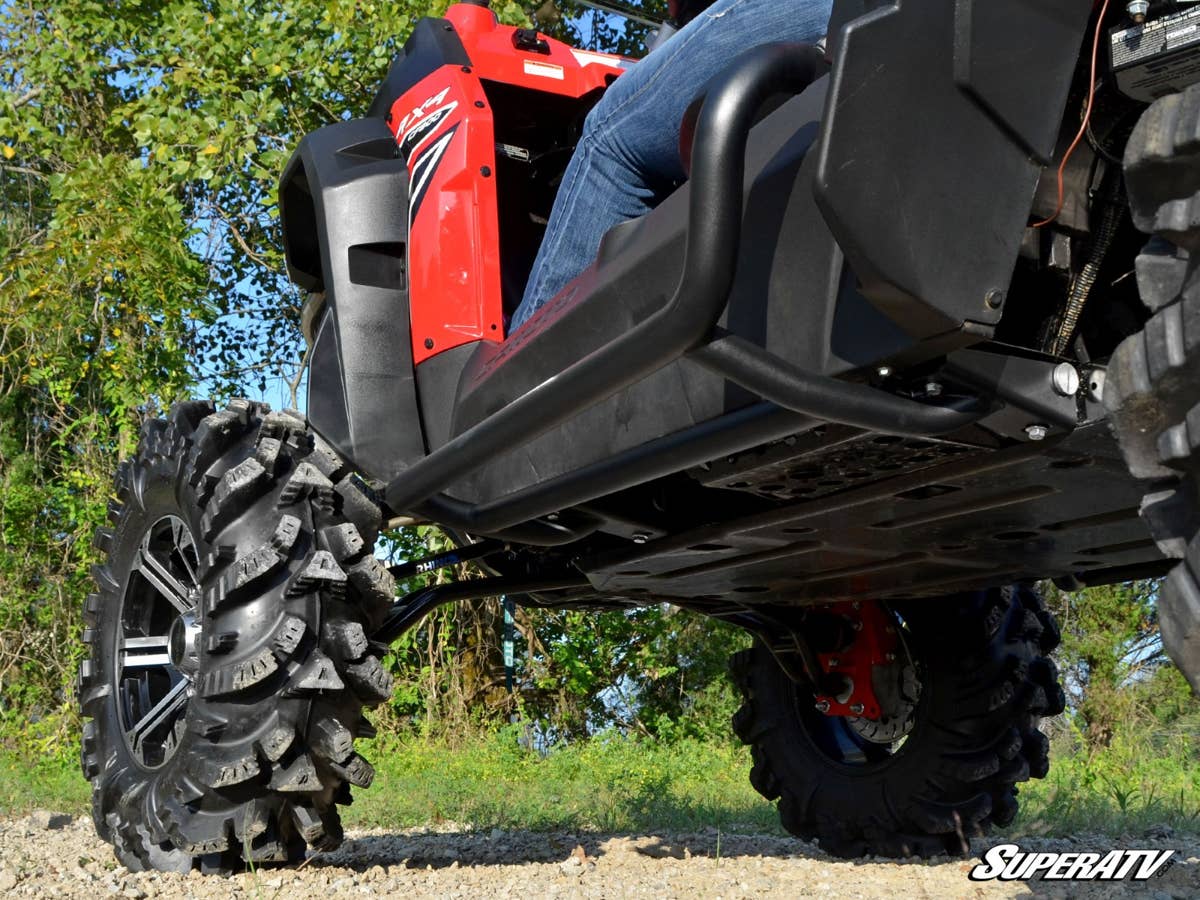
(792, 294)
(928, 166)
(433, 43)
(344, 204)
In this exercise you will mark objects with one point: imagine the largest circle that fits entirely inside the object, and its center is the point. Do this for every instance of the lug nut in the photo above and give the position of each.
(1036, 432)
(856, 708)
(823, 707)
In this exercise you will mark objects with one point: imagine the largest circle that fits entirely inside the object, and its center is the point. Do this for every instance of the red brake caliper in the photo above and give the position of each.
(874, 644)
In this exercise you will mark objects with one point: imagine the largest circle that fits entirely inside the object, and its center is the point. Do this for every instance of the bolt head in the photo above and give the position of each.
(856, 708)
(1036, 432)
(1065, 380)
(890, 657)
(933, 389)
(834, 662)
(994, 299)
(823, 706)
(640, 537)
(884, 371)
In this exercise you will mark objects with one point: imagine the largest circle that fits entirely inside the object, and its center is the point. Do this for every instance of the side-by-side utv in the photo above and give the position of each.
(920, 330)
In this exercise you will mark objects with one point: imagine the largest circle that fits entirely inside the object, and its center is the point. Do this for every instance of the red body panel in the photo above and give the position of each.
(445, 131)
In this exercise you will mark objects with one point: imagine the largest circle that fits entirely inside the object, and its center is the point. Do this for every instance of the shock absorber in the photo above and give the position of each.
(1102, 239)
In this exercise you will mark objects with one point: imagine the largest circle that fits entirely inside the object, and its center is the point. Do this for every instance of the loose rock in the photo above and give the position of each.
(43, 819)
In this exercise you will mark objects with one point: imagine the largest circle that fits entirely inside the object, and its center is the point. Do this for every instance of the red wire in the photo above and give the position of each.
(1087, 118)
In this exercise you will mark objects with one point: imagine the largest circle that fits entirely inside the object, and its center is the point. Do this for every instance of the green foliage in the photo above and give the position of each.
(1142, 778)
(140, 145)
(657, 671)
(593, 29)
(1115, 672)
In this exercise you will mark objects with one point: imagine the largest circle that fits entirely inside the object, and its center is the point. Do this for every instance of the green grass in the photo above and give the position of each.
(1130, 786)
(37, 781)
(608, 784)
(617, 785)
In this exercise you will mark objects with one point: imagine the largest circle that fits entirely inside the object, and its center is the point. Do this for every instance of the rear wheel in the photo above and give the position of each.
(228, 661)
(958, 730)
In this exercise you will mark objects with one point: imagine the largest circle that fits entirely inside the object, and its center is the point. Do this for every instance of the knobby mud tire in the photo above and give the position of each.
(288, 592)
(1152, 390)
(986, 682)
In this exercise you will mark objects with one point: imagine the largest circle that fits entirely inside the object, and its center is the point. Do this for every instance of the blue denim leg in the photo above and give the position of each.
(628, 157)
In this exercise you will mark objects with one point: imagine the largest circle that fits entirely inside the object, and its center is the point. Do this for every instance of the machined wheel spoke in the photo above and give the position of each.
(175, 700)
(186, 548)
(144, 652)
(164, 582)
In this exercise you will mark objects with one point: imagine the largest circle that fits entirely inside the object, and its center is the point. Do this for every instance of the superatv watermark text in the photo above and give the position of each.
(1008, 862)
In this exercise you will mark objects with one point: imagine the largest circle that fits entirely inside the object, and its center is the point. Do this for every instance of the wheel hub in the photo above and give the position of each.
(877, 687)
(182, 641)
(852, 667)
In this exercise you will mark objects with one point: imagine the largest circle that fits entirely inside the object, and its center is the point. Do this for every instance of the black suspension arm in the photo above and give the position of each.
(409, 610)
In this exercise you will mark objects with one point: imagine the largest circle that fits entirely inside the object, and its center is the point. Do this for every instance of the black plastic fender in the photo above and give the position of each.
(343, 203)
(941, 115)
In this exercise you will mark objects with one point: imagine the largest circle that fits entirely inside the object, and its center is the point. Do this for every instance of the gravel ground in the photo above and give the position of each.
(50, 855)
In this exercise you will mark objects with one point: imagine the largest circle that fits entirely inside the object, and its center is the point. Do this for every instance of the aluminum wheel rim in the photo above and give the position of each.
(156, 645)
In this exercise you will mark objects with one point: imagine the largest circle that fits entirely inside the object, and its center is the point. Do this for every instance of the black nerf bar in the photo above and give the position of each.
(829, 399)
(710, 257)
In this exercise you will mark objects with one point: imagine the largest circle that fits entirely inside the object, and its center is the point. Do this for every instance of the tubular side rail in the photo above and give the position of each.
(710, 258)
(796, 401)
(827, 398)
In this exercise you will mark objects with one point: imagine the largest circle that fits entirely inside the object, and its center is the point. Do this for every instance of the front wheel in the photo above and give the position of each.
(228, 661)
(958, 731)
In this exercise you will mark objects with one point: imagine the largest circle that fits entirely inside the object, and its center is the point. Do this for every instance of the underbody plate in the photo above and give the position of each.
(934, 518)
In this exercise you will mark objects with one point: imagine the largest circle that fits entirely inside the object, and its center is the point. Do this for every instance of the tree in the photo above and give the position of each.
(140, 259)
(1115, 671)
(594, 29)
(140, 144)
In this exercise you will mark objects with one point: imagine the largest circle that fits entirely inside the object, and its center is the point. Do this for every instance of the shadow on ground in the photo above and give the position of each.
(441, 850)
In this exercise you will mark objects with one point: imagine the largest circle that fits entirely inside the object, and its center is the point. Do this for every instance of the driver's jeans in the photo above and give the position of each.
(627, 159)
